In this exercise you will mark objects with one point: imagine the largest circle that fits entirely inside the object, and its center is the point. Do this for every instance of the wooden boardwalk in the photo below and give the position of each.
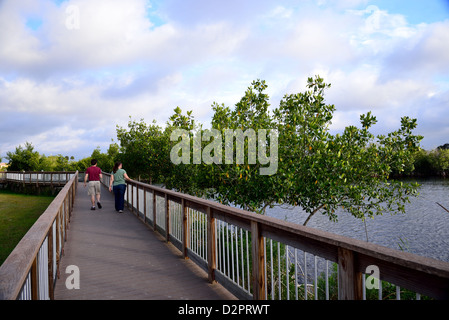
(121, 258)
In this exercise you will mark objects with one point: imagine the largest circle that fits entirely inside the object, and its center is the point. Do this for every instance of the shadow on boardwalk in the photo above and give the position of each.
(121, 258)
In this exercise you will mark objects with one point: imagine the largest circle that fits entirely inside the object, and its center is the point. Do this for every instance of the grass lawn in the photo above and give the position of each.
(18, 212)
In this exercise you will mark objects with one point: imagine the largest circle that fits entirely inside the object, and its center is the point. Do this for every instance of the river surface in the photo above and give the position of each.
(422, 230)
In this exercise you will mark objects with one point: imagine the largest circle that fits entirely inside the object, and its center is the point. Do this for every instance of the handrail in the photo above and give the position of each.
(46, 172)
(422, 275)
(30, 271)
(37, 177)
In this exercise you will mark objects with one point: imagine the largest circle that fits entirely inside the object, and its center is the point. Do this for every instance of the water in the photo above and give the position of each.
(422, 230)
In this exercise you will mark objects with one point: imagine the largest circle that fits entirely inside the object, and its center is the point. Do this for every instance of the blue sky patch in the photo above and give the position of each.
(34, 23)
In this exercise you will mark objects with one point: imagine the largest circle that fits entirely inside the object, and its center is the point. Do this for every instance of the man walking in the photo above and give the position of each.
(93, 173)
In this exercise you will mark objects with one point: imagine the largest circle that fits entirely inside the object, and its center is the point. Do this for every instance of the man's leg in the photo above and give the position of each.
(92, 199)
(98, 201)
(98, 193)
(91, 192)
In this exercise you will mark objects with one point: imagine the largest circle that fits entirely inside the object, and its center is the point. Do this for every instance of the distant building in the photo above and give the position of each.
(3, 165)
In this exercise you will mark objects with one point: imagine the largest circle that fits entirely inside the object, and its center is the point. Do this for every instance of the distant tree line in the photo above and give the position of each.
(432, 163)
(26, 158)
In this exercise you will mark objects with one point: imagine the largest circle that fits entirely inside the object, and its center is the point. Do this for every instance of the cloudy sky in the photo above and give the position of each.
(70, 71)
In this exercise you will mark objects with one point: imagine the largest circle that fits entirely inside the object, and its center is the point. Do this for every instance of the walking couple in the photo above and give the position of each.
(117, 184)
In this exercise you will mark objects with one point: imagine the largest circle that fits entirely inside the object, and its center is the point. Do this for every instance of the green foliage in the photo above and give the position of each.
(317, 170)
(184, 177)
(423, 163)
(27, 159)
(242, 184)
(104, 160)
(332, 280)
(439, 159)
(431, 163)
(144, 150)
(350, 170)
(23, 159)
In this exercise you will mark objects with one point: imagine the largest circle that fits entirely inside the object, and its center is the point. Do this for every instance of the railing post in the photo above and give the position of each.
(211, 254)
(57, 231)
(132, 198)
(258, 257)
(50, 263)
(73, 189)
(64, 209)
(127, 194)
(154, 210)
(349, 280)
(185, 229)
(34, 280)
(144, 205)
(137, 201)
(61, 213)
(167, 219)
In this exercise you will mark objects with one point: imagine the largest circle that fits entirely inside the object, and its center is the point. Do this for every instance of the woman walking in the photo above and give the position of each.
(118, 185)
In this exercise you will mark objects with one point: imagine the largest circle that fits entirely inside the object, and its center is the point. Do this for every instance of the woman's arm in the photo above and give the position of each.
(110, 182)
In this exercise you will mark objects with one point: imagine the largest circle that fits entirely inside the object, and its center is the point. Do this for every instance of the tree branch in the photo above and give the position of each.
(313, 212)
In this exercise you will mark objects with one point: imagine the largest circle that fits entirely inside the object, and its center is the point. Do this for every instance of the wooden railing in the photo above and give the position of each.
(260, 257)
(250, 254)
(31, 270)
(37, 177)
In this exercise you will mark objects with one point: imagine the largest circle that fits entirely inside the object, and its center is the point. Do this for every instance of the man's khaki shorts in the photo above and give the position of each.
(93, 188)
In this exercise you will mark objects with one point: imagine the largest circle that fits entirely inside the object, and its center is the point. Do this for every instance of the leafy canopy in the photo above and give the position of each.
(316, 169)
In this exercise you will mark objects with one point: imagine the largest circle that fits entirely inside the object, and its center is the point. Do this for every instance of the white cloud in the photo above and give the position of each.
(119, 62)
(424, 55)
(320, 41)
(379, 32)
(364, 88)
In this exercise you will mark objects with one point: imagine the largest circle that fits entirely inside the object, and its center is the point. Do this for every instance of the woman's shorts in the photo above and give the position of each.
(94, 188)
